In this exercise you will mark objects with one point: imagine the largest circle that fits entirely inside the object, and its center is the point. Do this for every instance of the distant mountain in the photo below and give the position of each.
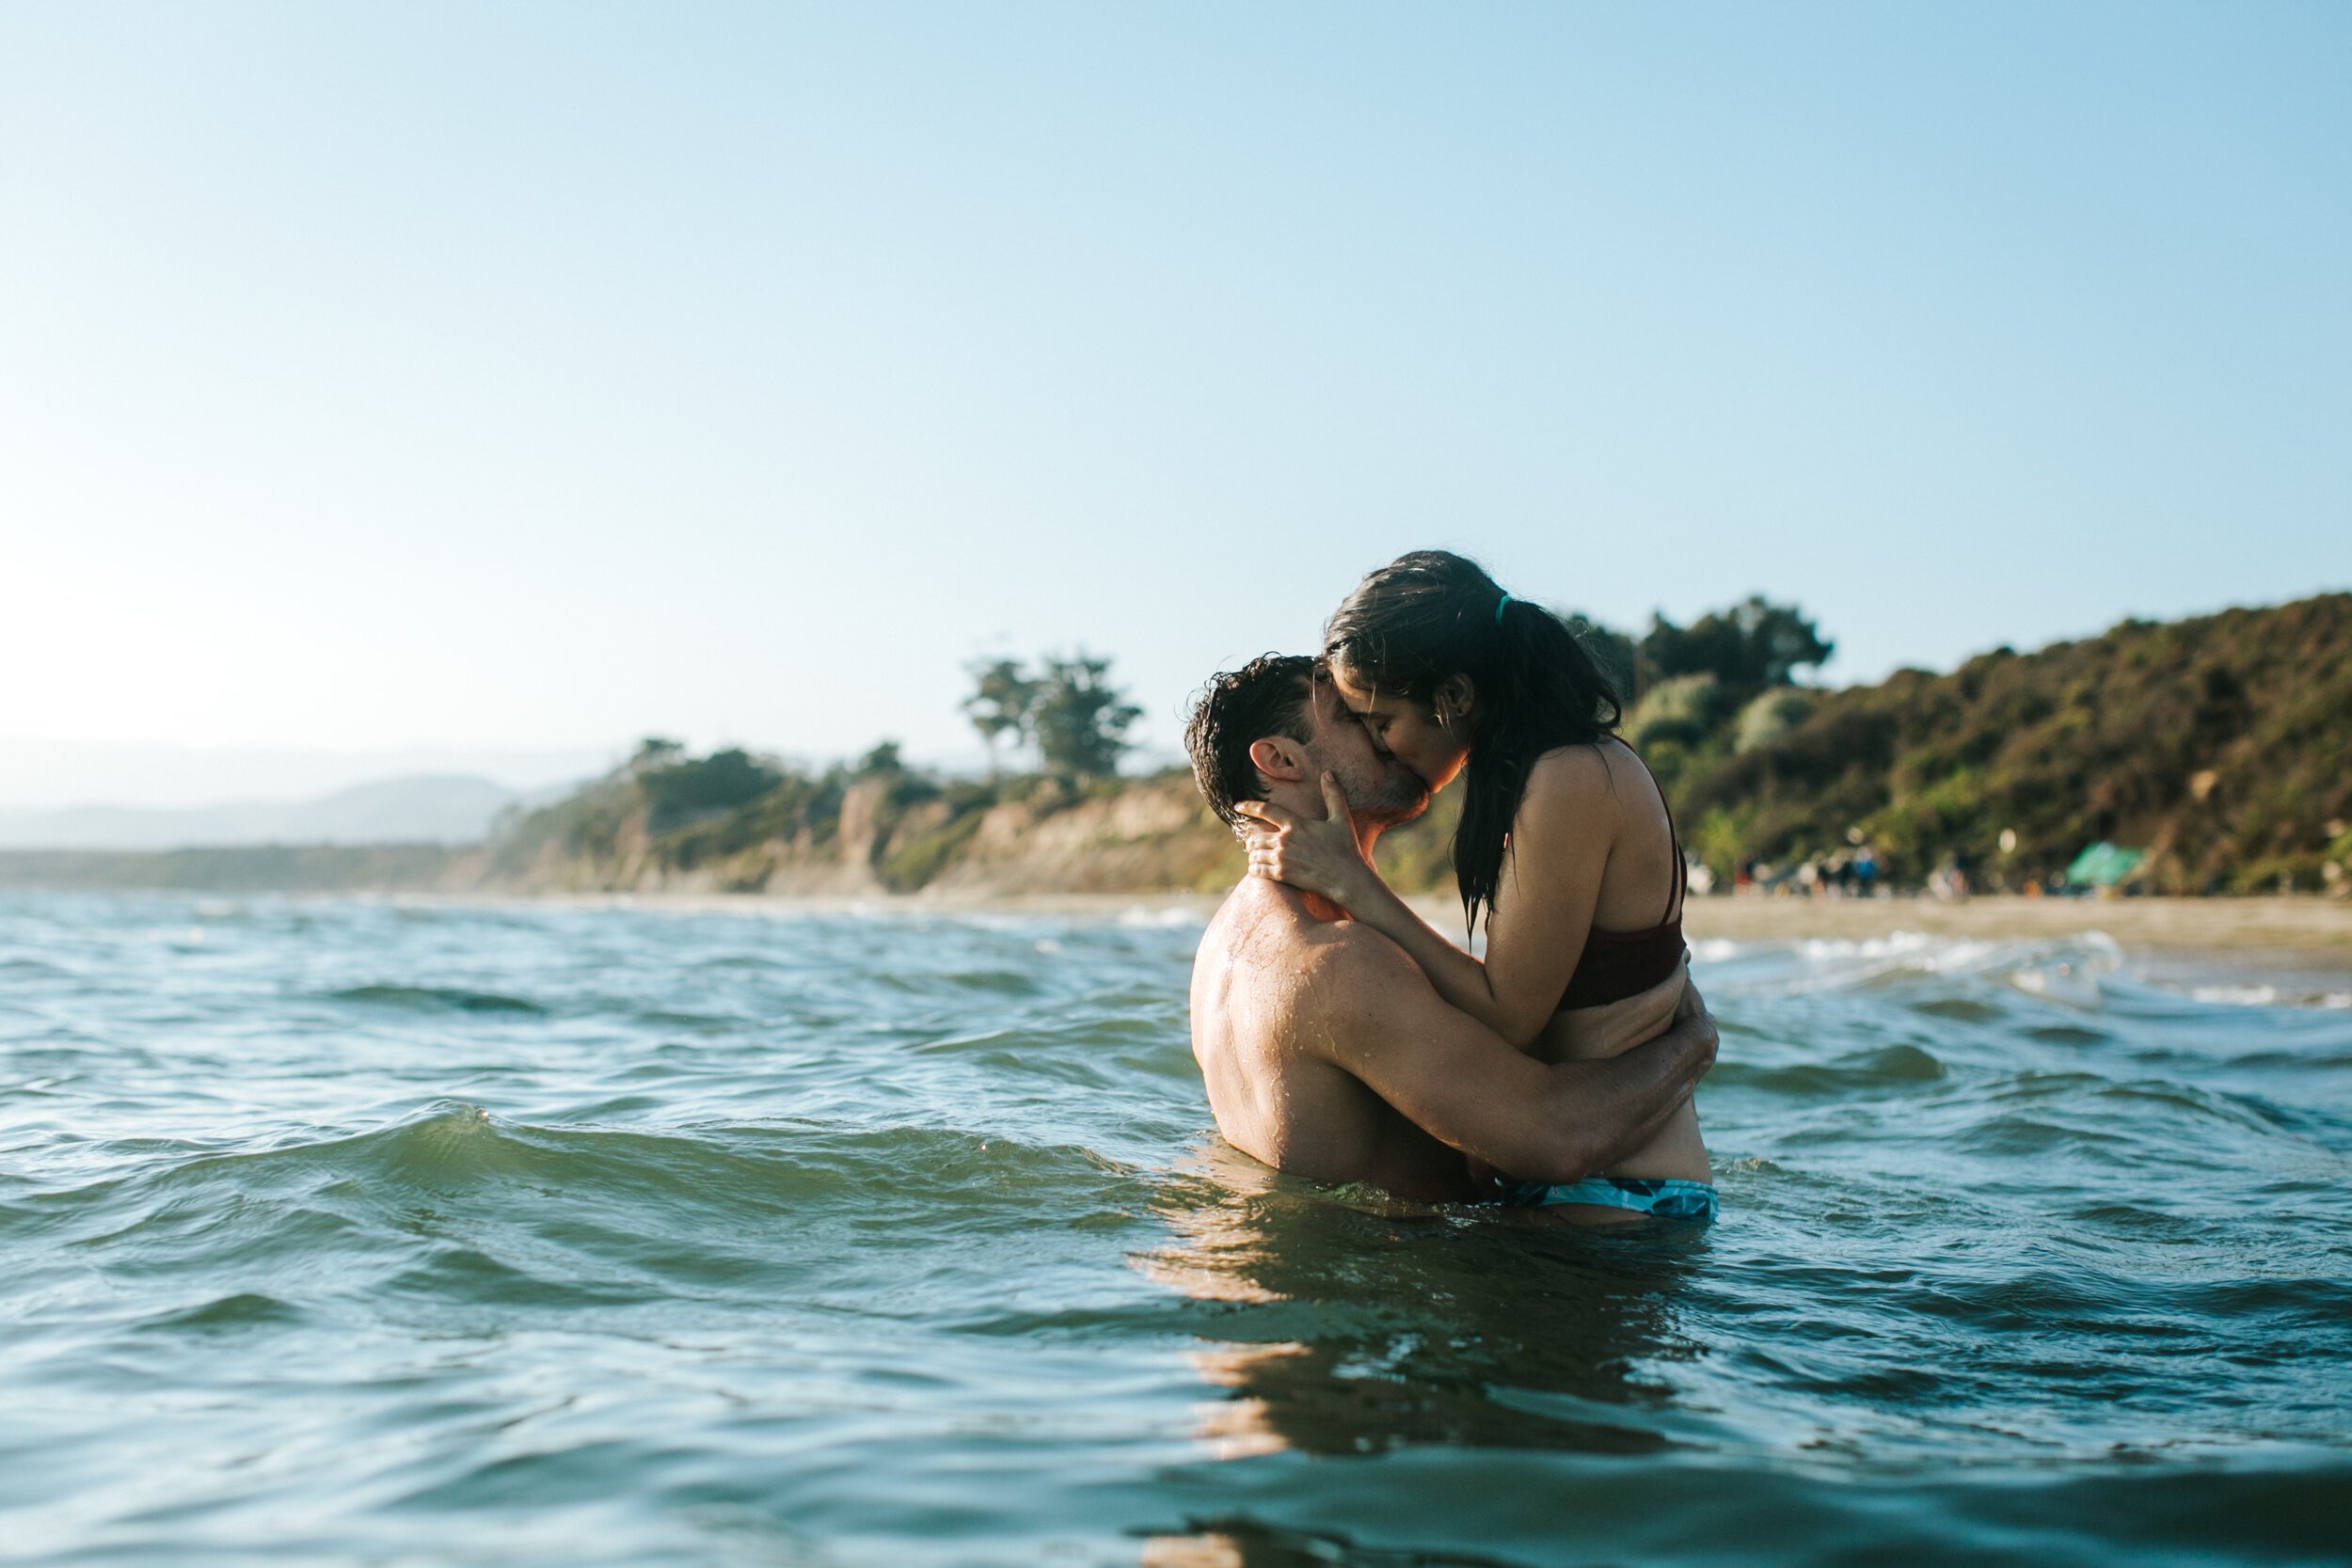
(425, 809)
(40, 773)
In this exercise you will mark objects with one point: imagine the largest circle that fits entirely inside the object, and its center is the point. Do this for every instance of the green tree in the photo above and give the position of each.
(1004, 696)
(655, 751)
(1682, 710)
(1749, 646)
(883, 760)
(719, 781)
(1080, 719)
(1768, 719)
(1613, 649)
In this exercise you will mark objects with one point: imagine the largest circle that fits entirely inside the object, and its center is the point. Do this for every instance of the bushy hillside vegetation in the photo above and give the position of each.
(2221, 745)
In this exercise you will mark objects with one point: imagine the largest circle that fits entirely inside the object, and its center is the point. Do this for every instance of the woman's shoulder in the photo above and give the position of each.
(1587, 774)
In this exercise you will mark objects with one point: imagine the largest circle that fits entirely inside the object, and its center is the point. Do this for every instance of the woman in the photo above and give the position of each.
(1565, 844)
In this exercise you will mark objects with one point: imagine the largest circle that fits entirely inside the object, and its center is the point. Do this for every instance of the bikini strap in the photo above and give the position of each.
(1682, 866)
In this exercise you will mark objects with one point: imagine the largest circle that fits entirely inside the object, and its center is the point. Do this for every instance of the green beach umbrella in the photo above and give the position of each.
(2104, 864)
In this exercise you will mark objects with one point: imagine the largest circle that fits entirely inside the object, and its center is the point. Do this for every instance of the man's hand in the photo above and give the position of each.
(1690, 1013)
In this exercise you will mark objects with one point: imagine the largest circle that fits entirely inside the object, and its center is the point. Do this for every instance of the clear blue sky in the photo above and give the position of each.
(455, 375)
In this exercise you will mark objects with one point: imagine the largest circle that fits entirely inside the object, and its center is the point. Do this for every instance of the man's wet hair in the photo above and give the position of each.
(1272, 694)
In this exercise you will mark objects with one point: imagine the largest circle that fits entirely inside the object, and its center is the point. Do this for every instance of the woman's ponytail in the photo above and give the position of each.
(1433, 614)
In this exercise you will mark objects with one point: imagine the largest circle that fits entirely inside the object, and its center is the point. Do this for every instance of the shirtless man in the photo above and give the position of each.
(1324, 1050)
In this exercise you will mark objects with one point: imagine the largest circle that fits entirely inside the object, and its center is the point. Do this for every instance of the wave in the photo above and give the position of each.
(2085, 973)
(2270, 995)
(454, 1171)
(435, 998)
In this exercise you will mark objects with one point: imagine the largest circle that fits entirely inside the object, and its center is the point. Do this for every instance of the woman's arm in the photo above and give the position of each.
(1560, 844)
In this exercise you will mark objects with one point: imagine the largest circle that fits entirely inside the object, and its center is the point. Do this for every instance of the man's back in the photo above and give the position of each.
(1262, 1004)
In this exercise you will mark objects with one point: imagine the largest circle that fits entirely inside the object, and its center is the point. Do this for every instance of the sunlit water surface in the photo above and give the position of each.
(367, 1232)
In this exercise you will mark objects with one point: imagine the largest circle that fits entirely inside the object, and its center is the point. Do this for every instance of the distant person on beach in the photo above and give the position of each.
(1323, 1048)
(1565, 844)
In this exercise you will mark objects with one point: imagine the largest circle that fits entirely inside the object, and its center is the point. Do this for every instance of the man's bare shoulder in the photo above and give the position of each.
(1267, 927)
(1358, 980)
(1357, 952)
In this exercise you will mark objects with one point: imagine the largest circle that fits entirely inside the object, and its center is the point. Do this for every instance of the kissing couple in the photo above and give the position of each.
(1343, 1038)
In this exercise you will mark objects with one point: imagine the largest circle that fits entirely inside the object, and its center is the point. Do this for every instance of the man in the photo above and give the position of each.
(1324, 1050)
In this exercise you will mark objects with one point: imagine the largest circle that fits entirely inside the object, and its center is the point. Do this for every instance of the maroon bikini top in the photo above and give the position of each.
(1618, 964)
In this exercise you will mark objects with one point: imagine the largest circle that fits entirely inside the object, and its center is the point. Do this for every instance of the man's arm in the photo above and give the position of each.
(1381, 1022)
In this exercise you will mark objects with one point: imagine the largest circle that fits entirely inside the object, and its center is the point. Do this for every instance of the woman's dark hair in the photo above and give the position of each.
(1431, 614)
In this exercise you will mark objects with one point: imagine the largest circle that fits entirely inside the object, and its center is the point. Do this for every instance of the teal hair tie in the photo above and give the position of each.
(1498, 604)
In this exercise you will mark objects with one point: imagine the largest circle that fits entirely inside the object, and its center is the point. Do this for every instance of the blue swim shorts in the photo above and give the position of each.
(1662, 1198)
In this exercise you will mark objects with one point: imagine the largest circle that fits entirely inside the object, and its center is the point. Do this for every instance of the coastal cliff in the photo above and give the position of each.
(884, 835)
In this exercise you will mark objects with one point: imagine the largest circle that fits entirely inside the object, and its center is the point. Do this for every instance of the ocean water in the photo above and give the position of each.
(376, 1232)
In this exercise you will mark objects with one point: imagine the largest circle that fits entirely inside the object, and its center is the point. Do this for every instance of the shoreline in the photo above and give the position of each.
(2304, 930)
(2297, 929)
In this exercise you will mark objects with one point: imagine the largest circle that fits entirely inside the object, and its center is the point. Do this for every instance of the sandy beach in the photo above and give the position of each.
(2307, 930)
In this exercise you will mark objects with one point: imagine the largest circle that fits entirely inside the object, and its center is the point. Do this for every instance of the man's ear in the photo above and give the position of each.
(1279, 758)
